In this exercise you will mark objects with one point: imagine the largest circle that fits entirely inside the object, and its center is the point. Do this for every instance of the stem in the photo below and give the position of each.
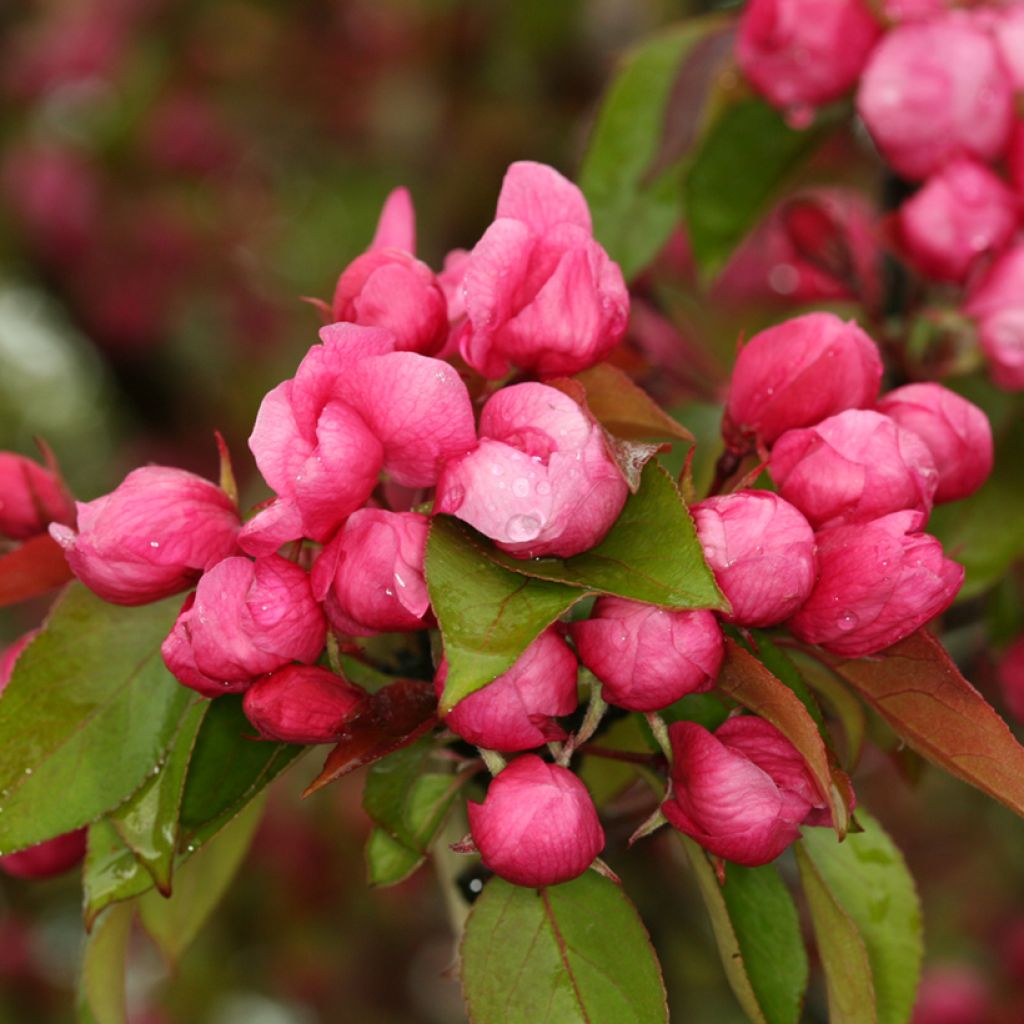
(494, 761)
(660, 730)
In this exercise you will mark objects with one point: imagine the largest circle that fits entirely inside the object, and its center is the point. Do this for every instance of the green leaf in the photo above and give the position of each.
(488, 615)
(868, 879)
(634, 202)
(738, 168)
(918, 690)
(851, 989)
(89, 711)
(148, 821)
(101, 996)
(605, 778)
(111, 874)
(576, 953)
(757, 929)
(229, 767)
(388, 861)
(174, 921)
(778, 662)
(650, 554)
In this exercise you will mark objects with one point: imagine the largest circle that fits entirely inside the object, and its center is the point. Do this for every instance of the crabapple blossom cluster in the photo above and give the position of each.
(938, 89)
(407, 409)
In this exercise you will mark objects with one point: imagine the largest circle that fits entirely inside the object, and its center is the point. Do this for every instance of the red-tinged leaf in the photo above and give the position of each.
(918, 690)
(31, 569)
(396, 716)
(746, 680)
(626, 410)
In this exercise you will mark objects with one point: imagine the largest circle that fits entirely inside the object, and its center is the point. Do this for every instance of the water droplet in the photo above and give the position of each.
(497, 470)
(389, 592)
(710, 552)
(521, 487)
(28, 771)
(847, 621)
(522, 528)
(399, 580)
(620, 640)
(543, 488)
(264, 607)
(154, 543)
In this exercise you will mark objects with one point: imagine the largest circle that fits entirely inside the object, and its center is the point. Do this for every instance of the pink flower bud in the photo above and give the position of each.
(742, 792)
(955, 430)
(540, 481)
(996, 303)
(302, 704)
(247, 618)
(1007, 26)
(962, 212)
(853, 467)
(935, 90)
(53, 857)
(1010, 674)
(354, 407)
(761, 551)
(953, 994)
(537, 825)
(877, 583)
(518, 710)
(370, 576)
(30, 498)
(797, 373)
(646, 657)
(150, 537)
(803, 53)
(539, 292)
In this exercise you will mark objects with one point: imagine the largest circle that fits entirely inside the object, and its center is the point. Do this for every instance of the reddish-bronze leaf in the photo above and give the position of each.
(31, 569)
(746, 680)
(917, 689)
(396, 716)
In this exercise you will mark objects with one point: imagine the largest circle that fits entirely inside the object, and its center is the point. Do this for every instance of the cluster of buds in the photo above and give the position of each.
(936, 89)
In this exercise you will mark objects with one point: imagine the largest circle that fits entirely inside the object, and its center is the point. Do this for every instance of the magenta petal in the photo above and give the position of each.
(541, 197)
(275, 525)
(396, 227)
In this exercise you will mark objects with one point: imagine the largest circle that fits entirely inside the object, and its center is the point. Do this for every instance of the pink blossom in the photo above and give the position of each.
(646, 657)
(540, 481)
(742, 792)
(797, 373)
(877, 583)
(302, 704)
(934, 90)
(539, 292)
(388, 287)
(370, 576)
(247, 618)
(955, 430)
(914, 10)
(49, 858)
(518, 710)
(853, 467)
(31, 498)
(761, 550)
(962, 212)
(996, 303)
(355, 407)
(1007, 26)
(801, 53)
(150, 537)
(953, 994)
(1010, 674)
(537, 825)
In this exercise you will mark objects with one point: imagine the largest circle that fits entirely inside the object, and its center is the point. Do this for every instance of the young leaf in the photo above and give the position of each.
(487, 614)
(388, 861)
(746, 680)
(635, 203)
(200, 882)
(918, 690)
(89, 711)
(32, 568)
(851, 988)
(111, 873)
(101, 996)
(576, 953)
(868, 879)
(739, 166)
(148, 822)
(229, 767)
(757, 929)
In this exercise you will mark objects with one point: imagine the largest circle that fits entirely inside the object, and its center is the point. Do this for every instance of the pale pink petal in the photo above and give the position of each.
(396, 227)
(277, 524)
(541, 197)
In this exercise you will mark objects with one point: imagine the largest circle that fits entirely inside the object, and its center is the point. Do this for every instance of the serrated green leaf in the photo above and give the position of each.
(228, 767)
(89, 710)
(487, 614)
(844, 958)
(576, 953)
(199, 884)
(738, 168)
(634, 203)
(868, 879)
(388, 861)
(148, 821)
(111, 873)
(101, 996)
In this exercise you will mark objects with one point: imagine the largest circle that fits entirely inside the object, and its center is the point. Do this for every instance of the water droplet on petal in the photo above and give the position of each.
(154, 543)
(847, 621)
(522, 528)
(521, 487)
(399, 580)
(497, 470)
(543, 488)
